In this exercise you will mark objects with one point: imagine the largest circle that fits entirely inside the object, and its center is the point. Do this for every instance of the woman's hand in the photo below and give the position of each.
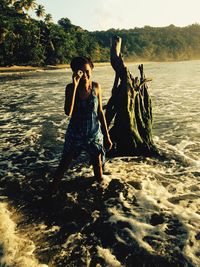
(76, 77)
(108, 143)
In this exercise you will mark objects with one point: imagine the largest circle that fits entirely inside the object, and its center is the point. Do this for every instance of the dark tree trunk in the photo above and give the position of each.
(131, 108)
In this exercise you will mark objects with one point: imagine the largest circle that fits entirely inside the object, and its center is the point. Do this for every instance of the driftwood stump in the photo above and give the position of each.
(131, 108)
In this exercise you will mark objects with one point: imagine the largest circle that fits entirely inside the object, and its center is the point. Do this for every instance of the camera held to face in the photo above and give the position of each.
(79, 73)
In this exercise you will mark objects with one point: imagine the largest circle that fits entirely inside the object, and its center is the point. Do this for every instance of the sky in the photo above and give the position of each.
(124, 14)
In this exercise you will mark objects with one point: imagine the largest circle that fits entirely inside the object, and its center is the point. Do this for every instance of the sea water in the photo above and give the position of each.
(32, 124)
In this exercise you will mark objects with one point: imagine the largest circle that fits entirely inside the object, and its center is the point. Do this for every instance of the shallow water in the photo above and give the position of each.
(33, 124)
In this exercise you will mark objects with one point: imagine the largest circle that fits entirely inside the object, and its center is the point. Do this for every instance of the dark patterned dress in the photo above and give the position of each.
(84, 129)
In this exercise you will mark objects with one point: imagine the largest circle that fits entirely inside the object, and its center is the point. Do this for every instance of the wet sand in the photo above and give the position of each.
(31, 68)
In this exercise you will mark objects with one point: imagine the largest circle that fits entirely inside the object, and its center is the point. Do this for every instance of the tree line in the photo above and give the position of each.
(28, 41)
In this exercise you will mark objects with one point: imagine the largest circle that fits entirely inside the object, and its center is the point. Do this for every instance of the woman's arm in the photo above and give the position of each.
(107, 140)
(70, 94)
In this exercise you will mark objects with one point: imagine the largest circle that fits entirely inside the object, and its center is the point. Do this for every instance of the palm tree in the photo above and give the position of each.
(48, 18)
(40, 11)
(29, 4)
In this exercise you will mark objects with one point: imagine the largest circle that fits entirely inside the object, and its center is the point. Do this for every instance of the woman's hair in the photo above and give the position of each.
(78, 62)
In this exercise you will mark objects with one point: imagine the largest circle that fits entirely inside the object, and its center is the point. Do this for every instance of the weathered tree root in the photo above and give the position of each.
(131, 108)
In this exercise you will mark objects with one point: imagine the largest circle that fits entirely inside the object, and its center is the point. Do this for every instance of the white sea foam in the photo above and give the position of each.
(110, 259)
(157, 195)
(17, 250)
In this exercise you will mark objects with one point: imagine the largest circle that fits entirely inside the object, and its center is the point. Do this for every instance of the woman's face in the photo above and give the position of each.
(87, 73)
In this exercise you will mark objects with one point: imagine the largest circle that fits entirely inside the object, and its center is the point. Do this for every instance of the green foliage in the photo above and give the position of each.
(155, 43)
(24, 40)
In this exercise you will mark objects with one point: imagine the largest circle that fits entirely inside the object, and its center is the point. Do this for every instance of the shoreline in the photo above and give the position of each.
(16, 68)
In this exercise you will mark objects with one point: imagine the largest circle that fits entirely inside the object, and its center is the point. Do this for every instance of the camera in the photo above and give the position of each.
(79, 73)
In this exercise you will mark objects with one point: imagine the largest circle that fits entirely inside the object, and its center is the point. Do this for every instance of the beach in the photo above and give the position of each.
(146, 211)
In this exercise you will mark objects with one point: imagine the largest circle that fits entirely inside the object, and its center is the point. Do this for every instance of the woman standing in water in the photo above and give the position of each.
(87, 129)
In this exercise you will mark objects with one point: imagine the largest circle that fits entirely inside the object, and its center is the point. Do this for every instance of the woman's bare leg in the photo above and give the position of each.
(97, 167)
(62, 167)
